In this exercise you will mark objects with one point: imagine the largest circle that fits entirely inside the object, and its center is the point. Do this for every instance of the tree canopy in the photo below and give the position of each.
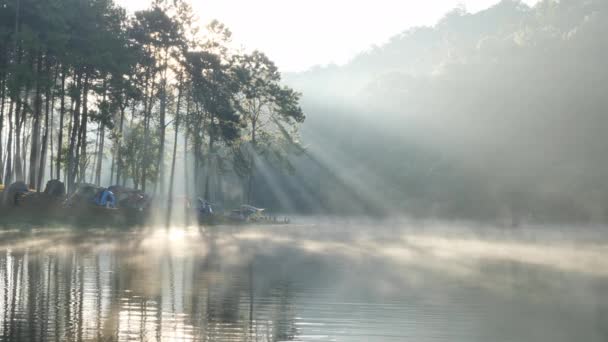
(89, 93)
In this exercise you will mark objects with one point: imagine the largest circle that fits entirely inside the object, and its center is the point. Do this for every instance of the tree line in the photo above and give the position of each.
(84, 84)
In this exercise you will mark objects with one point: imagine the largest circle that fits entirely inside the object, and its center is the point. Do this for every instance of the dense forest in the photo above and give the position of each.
(89, 93)
(492, 115)
(485, 115)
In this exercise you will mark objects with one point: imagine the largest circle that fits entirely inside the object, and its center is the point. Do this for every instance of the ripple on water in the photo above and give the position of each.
(267, 284)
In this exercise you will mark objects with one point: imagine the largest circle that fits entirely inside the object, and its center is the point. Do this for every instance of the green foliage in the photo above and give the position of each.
(101, 70)
(137, 152)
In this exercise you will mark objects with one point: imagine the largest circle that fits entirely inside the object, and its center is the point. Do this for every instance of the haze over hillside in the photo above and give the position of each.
(498, 113)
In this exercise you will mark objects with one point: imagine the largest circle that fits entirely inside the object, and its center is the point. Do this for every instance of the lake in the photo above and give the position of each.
(315, 281)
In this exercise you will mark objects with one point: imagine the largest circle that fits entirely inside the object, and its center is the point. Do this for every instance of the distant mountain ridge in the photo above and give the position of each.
(459, 37)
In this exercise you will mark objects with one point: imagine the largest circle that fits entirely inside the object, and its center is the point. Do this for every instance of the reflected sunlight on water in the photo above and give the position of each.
(316, 282)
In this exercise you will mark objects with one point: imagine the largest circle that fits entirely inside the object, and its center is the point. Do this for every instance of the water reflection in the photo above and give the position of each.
(303, 283)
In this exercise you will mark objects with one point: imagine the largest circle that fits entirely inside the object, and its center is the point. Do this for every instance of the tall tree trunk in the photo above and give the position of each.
(25, 138)
(72, 161)
(35, 135)
(161, 151)
(112, 168)
(48, 128)
(8, 175)
(43, 153)
(19, 120)
(252, 166)
(136, 168)
(176, 134)
(162, 128)
(146, 150)
(2, 103)
(100, 146)
(82, 146)
(119, 165)
(186, 166)
(92, 175)
(102, 134)
(52, 129)
(61, 117)
(115, 161)
(210, 159)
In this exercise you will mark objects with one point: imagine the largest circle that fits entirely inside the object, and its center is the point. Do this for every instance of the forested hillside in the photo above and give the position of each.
(500, 113)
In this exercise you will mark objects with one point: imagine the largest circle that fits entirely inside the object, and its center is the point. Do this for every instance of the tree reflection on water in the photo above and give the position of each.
(317, 282)
(65, 286)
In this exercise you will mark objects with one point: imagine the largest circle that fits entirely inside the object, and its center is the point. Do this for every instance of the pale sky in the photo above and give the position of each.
(298, 34)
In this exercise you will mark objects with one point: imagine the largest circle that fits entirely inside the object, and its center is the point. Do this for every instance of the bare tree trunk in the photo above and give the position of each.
(119, 166)
(35, 135)
(72, 161)
(176, 134)
(210, 154)
(252, 165)
(141, 166)
(19, 120)
(162, 128)
(43, 153)
(146, 162)
(186, 180)
(52, 128)
(102, 134)
(81, 158)
(26, 145)
(61, 117)
(100, 146)
(8, 175)
(92, 175)
(112, 168)
(2, 102)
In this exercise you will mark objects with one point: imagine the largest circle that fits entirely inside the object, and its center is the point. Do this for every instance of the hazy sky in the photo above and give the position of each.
(298, 34)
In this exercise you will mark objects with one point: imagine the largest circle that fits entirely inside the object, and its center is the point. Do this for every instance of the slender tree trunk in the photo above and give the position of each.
(26, 146)
(48, 128)
(112, 168)
(162, 128)
(8, 175)
(52, 128)
(20, 119)
(146, 151)
(2, 103)
(136, 168)
(161, 151)
(82, 156)
(115, 162)
(9, 167)
(45, 140)
(176, 134)
(102, 134)
(73, 135)
(92, 175)
(35, 135)
(197, 141)
(186, 166)
(252, 166)
(210, 160)
(119, 164)
(61, 118)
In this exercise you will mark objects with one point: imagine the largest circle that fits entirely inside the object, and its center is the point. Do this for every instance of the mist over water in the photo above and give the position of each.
(486, 130)
(314, 281)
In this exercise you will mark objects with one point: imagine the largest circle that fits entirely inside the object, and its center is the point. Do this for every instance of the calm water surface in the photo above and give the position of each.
(310, 282)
